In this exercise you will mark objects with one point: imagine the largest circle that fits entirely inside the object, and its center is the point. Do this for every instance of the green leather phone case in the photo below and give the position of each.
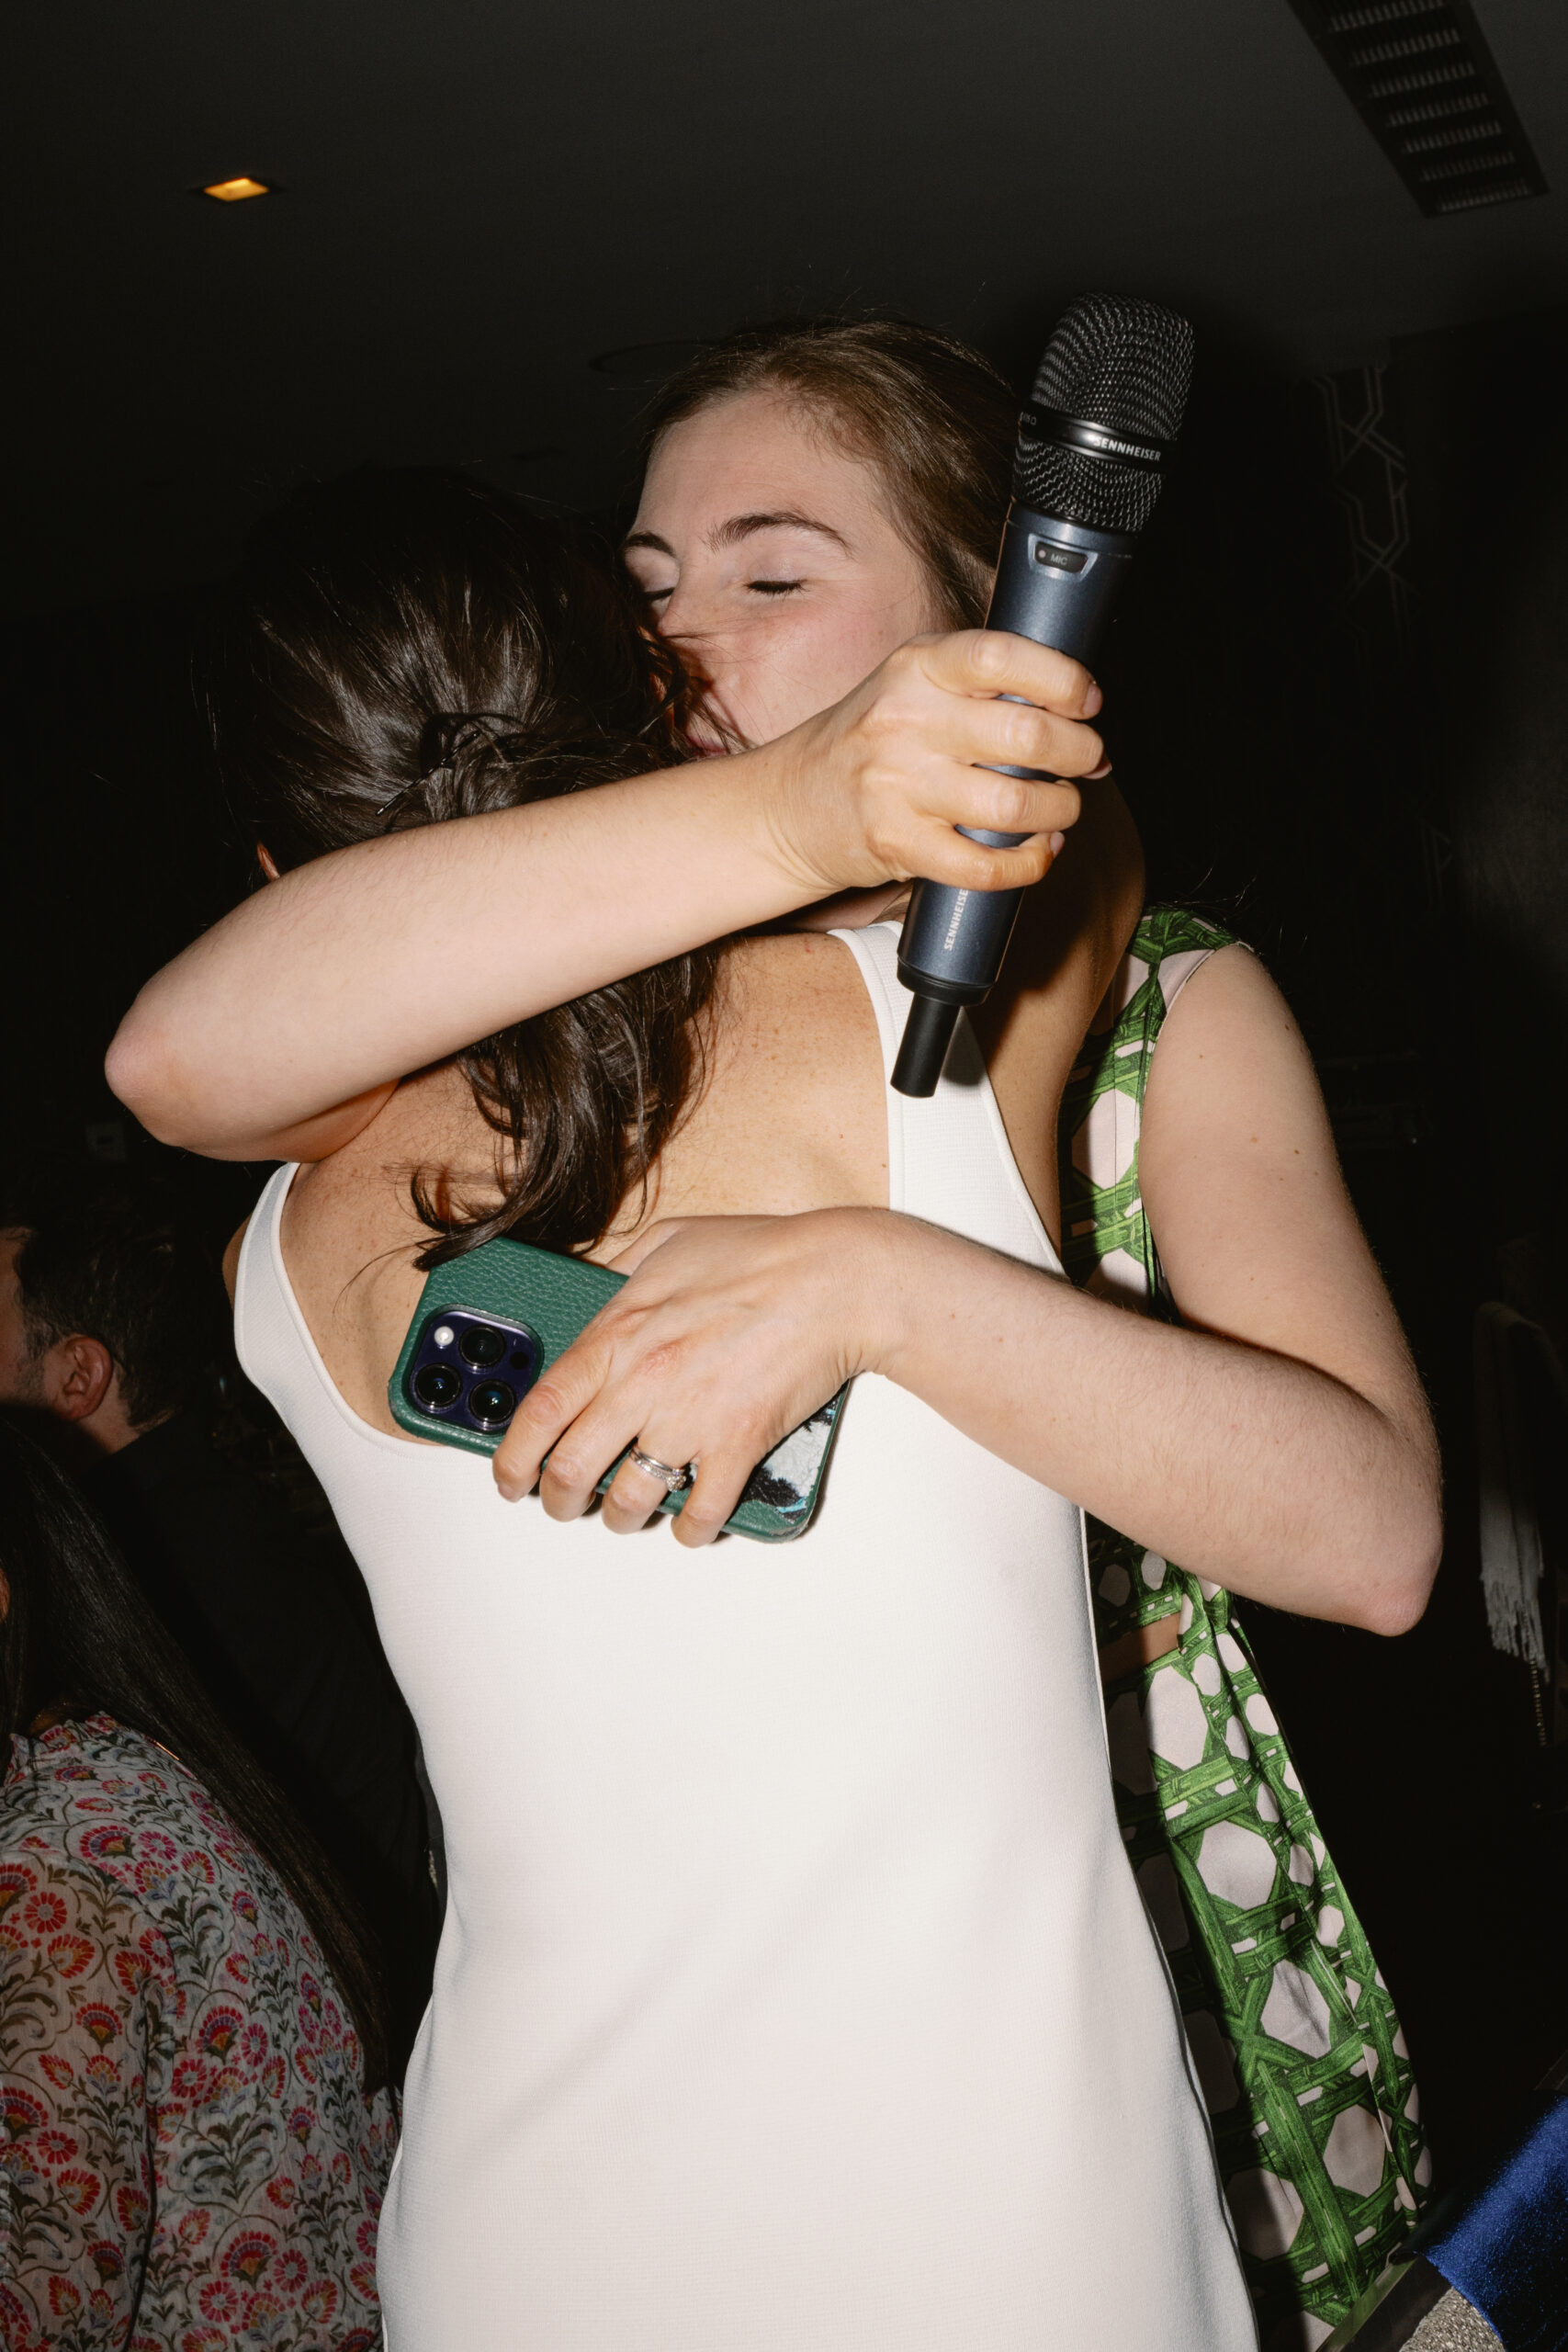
(553, 1298)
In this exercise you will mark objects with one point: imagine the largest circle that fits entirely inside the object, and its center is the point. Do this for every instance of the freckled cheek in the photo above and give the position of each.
(817, 662)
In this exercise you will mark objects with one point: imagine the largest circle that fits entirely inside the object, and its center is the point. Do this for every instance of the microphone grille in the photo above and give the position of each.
(1119, 363)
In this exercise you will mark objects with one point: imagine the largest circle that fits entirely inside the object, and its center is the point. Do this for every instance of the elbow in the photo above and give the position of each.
(142, 1073)
(1395, 1600)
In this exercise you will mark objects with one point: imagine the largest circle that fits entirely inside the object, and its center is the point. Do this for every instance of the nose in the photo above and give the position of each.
(683, 616)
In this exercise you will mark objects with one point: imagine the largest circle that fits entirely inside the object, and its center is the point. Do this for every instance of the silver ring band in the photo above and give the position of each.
(673, 1479)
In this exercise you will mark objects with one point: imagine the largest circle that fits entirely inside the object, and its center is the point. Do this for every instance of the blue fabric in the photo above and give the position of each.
(1506, 2247)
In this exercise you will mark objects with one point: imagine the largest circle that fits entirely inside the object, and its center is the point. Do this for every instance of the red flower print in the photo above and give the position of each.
(237, 1968)
(70, 1954)
(98, 2020)
(305, 2063)
(53, 2148)
(219, 2299)
(311, 2171)
(365, 2239)
(158, 1847)
(248, 2257)
(217, 2031)
(194, 2227)
(262, 2313)
(109, 1843)
(187, 2084)
(56, 2069)
(45, 1912)
(274, 2075)
(318, 2301)
(363, 2339)
(291, 2272)
(299, 2124)
(65, 2299)
(16, 1880)
(196, 1864)
(343, 2171)
(252, 2044)
(312, 1996)
(199, 2339)
(106, 2259)
(21, 2112)
(245, 1907)
(280, 2194)
(101, 2071)
(362, 2279)
(80, 2189)
(131, 2209)
(132, 1971)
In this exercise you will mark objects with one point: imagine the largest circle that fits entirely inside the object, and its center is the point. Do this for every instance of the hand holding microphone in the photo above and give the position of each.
(1093, 442)
(949, 737)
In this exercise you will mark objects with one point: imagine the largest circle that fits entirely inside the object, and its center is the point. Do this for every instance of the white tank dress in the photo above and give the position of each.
(795, 1993)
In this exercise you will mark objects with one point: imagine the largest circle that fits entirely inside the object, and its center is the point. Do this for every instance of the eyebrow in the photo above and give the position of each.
(745, 526)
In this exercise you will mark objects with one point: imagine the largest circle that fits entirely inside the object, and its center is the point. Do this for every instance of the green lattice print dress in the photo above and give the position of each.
(1293, 2031)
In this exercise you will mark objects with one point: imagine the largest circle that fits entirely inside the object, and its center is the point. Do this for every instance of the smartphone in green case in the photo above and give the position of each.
(489, 1323)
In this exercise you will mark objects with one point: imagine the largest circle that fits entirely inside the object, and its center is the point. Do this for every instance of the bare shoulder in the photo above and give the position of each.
(1241, 1182)
(351, 1233)
(1232, 1064)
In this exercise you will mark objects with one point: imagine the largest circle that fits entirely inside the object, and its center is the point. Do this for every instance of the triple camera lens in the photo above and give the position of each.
(436, 1386)
(491, 1403)
(482, 1346)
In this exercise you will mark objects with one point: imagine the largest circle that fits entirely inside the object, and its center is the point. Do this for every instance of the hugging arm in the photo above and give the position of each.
(1278, 1443)
(281, 1031)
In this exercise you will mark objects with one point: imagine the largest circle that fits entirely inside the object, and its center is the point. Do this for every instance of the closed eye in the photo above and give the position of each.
(776, 587)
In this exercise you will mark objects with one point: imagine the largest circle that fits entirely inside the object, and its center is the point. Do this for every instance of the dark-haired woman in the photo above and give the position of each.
(795, 1987)
(191, 2030)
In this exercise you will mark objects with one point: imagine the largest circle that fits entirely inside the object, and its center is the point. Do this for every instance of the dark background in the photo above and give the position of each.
(1337, 690)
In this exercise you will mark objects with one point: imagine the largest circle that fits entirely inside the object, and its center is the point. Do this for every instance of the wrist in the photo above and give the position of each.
(871, 1254)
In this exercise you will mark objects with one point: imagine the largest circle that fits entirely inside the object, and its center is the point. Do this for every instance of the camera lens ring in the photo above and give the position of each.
(492, 1403)
(435, 1386)
(483, 1346)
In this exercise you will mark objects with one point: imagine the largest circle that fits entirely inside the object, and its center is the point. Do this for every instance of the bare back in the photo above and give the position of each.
(792, 1117)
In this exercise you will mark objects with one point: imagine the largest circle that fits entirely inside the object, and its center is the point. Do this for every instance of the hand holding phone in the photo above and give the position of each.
(491, 1323)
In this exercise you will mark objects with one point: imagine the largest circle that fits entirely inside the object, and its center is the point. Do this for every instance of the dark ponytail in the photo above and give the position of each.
(75, 1631)
(400, 649)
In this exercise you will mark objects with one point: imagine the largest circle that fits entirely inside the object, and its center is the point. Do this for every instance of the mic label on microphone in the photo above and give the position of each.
(958, 906)
(1059, 559)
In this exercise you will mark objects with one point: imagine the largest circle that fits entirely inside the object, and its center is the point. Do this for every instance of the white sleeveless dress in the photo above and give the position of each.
(795, 1993)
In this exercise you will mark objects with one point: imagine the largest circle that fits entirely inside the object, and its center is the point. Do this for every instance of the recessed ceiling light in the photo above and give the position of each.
(236, 191)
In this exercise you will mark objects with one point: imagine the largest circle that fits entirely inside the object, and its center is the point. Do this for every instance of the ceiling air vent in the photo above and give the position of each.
(1423, 80)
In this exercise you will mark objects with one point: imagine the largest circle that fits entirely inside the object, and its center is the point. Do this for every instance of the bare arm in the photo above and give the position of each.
(280, 1033)
(1282, 1445)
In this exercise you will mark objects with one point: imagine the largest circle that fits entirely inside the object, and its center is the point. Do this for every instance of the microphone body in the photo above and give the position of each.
(1092, 445)
(1055, 583)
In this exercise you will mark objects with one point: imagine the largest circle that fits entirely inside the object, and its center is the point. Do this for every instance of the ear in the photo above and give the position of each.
(78, 1373)
(266, 861)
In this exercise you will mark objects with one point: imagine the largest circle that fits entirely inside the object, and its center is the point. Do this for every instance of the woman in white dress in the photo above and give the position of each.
(795, 1986)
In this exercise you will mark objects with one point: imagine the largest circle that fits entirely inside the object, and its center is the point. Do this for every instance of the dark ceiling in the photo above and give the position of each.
(481, 197)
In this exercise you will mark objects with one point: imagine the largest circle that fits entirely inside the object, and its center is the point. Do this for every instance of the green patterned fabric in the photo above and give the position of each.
(1293, 2031)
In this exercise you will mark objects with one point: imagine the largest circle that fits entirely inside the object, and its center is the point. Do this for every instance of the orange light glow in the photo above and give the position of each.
(236, 191)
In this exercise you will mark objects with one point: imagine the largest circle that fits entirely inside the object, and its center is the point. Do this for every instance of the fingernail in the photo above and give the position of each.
(1092, 700)
(1058, 843)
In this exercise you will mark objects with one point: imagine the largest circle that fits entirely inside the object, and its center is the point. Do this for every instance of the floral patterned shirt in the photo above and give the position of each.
(187, 2162)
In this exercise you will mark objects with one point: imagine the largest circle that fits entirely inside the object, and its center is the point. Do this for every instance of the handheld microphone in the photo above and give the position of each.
(1092, 444)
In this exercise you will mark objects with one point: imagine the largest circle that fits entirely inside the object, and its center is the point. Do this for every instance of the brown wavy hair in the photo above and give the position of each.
(929, 414)
(401, 648)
